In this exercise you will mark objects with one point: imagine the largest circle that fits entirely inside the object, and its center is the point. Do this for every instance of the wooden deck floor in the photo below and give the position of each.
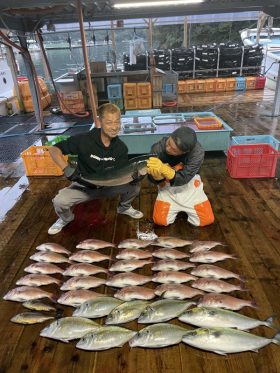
(247, 216)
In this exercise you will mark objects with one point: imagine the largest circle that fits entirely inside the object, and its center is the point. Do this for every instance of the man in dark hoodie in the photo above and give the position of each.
(175, 171)
(97, 149)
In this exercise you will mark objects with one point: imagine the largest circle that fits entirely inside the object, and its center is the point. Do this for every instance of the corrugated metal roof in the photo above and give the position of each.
(28, 15)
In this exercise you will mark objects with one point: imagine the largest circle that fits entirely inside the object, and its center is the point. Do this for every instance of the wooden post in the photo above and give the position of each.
(87, 65)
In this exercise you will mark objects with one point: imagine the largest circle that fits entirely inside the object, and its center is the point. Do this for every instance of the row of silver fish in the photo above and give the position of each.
(95, 337)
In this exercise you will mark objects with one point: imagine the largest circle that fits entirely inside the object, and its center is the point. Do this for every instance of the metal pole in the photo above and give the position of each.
(33, 83)
(114, 60)
(86, 62)
(150, 33)
(276, 103)
(13, 66)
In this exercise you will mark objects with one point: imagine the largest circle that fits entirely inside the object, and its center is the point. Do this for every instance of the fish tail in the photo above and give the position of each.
(270, 322)
(276, 338)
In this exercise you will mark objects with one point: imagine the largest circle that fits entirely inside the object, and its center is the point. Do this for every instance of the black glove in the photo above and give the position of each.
(71, 173)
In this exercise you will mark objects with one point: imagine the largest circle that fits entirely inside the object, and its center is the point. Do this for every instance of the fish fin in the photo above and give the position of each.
(220, 352)
(276, 338)
(254, 350)
(270, 321)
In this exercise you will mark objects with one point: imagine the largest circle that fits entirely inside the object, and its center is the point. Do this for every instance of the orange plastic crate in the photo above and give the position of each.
(210, 85)
(38, 162)
(190, 86)
(182, 86)
(129, 90)
(220, 85)
(230, 84)
(208, 123)
(144, 102)
(130, 103)
(250, 82)
(144, 89)
(200, 85)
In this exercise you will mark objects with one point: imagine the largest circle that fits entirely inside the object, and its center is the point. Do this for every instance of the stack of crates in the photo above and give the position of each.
(137, 96)
(156, 81)
(144, 95)
(114, 92)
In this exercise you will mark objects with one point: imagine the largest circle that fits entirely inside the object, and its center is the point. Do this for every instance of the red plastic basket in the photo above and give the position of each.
(251, 161)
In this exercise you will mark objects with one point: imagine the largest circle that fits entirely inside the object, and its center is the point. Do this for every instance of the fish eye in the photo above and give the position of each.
(212, 313)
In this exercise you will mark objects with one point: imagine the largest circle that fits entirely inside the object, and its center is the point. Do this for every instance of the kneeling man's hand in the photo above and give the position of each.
(155, 165)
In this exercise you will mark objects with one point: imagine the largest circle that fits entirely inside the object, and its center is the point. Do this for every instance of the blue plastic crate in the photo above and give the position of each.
(169, 88)
(258, 139)
(114, 91)
(240, 83)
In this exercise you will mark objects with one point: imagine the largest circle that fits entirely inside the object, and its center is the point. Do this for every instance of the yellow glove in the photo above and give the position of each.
(156, 175)
(157, 165)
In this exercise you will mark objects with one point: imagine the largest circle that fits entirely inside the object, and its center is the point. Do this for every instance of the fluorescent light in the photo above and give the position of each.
(155, 3)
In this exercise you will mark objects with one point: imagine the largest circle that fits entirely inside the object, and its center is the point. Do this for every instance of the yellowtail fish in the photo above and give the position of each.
(126, 312)
(105, 337)
(98, 307)
(227, 340)
(28, 318)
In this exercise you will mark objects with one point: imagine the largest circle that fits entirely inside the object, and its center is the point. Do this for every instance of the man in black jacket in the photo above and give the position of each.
(97, 149)
(175, 170)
